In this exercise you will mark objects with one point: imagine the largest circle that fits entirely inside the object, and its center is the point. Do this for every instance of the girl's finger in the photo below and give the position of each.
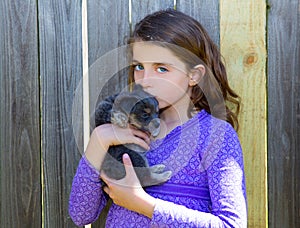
(141, 139)
(129, 169)
(105, 178)
(141, 135)
(131, 135)
(141, 143)
(106, 190)
(128, 165)
(127, 161)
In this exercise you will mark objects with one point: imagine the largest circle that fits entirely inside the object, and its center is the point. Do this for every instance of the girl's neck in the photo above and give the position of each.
(173, 115)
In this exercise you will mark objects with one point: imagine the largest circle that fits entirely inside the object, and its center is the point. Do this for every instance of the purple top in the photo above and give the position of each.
(207, 187)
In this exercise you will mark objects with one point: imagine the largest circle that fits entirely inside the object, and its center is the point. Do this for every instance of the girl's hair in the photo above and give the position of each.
(182, 31)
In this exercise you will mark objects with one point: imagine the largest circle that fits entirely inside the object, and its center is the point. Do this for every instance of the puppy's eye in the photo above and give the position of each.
(145, 115)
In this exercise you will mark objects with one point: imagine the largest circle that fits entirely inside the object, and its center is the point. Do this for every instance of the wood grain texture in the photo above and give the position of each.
(60, 71)
(108, 32)
(19, 115)
(243, 45)
(284, 113)
(140, 9)
(41, 66)
(206, 12)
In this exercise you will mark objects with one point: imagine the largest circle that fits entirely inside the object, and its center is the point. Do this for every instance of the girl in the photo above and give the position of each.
(174, 59)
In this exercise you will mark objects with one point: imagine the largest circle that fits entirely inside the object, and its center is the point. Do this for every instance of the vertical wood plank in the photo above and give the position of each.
(108, 29)
(60, 70)
(108, 32)
(140, 9)
(108, 25)
(206, 12)
(19, 115)
(243, 45)
(284, 113)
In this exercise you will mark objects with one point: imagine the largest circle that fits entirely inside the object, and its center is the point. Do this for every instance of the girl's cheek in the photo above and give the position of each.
(162, 103)
(138, 76)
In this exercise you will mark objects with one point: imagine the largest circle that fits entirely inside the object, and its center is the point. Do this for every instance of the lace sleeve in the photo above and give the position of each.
(86, 197)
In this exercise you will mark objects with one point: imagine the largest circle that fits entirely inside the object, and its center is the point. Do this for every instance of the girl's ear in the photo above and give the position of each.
(196, 74)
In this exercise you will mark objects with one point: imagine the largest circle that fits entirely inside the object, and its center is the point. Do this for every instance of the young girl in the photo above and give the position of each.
(174, 59)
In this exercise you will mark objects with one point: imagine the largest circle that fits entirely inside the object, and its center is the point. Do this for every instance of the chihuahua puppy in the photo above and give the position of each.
(139, 109)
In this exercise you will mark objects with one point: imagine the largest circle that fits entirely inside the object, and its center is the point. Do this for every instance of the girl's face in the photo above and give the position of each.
(161, 74)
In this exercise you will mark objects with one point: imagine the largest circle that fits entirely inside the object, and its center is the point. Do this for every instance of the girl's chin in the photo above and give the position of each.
(163, 105)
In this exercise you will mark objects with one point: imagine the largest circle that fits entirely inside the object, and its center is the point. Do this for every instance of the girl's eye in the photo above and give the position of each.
(138, 67)
(162, 70)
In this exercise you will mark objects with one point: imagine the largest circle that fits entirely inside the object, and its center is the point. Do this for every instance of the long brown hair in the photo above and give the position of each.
(178, 29)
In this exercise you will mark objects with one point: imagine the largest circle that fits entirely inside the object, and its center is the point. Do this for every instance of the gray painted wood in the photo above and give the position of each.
(60, 72)
(40, 69)
(108, 32)
(284, 113)
(20, 198)
(206, 12)
(140, 9)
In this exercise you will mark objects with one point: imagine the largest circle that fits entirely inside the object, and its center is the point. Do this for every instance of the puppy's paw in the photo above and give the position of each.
(157, 168)
(159, 178)
(165, 176)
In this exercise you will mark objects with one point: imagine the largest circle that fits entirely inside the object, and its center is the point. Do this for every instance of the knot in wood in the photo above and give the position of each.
(250, 59)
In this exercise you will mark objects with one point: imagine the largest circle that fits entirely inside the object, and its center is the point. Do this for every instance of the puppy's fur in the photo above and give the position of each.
(140, 109)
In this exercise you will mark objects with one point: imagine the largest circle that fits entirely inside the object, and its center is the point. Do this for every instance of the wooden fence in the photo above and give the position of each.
(43, 58)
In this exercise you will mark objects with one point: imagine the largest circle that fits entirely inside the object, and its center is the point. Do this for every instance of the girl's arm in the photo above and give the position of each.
(228, 204)
(86, 198)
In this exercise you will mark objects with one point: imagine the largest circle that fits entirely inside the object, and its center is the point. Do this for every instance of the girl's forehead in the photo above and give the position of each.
(146, 52)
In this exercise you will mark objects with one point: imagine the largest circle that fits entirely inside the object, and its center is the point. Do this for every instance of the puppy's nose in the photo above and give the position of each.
(156, 122)
(154, 127)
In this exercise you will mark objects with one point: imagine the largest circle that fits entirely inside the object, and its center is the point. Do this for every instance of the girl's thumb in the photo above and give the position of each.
(127, 162)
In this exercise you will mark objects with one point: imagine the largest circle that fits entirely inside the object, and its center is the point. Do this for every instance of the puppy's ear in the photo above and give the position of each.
(125, 102)
(119, 118)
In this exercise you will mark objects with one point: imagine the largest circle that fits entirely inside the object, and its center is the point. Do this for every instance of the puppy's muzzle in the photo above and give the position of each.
(154, 127)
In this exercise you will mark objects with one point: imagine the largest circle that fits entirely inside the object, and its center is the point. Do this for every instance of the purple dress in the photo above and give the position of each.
(207, 187)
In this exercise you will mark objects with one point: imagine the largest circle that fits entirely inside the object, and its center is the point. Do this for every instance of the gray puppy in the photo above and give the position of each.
(139, 109)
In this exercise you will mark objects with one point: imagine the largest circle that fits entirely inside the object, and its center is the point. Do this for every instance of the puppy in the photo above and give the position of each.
(140, 110)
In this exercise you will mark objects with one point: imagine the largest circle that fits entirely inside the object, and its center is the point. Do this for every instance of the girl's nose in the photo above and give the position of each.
(147, 73)
(145, 79)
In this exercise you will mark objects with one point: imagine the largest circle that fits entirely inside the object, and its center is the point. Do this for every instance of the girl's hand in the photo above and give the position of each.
(128, 191)
(109, 135)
